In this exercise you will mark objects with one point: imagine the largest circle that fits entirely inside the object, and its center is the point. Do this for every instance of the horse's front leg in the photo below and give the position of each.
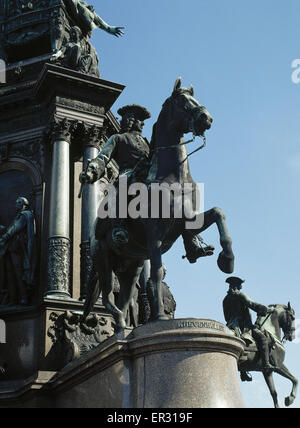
(270, 382)
(283, 371)
(226, 257)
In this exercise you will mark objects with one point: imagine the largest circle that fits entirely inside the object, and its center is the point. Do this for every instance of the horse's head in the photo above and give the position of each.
(287, 323)
(188, 115)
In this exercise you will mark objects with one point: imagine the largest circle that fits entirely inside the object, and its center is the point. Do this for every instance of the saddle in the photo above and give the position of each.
(251, 346)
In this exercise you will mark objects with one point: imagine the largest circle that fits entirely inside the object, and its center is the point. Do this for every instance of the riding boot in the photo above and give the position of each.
(265, 357)
(246, 377)
(192, 248)
(263, 348)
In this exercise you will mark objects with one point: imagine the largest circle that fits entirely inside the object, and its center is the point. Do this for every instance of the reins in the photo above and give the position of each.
(184, 144)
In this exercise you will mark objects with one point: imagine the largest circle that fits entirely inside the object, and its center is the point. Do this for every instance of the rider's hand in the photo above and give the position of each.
(86, 178)
(94, 172)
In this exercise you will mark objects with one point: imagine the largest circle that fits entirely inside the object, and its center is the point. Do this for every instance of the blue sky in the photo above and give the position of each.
(238, 56)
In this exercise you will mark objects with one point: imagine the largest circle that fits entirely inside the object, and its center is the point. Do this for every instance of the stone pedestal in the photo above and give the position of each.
(184, 363)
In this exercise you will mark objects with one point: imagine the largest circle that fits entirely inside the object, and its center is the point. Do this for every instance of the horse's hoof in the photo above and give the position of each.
(120, 323)
(161, 318)
(289, 401)
(226, 263)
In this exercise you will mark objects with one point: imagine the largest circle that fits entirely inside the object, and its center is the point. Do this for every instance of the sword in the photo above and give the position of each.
(82, 184)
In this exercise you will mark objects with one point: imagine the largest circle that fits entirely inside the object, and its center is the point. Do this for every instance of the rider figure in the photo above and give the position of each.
(236, 306)
(132, 153)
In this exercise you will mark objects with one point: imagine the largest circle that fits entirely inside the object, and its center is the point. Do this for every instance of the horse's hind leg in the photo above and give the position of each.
(128, 281)
(270, 382)
(283, 371)
(105, 271)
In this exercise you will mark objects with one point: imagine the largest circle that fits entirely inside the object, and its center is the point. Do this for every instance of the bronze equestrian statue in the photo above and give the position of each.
(124, 249)
(265, 351)
(236, 306)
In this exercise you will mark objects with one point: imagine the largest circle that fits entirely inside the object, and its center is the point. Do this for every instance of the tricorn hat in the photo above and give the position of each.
(234, 280)
(141, 113)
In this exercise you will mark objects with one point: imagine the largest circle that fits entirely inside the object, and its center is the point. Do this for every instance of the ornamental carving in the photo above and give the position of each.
(86, 267)
(59, 265)
(32, 151)
(72, 338)
(80, 105)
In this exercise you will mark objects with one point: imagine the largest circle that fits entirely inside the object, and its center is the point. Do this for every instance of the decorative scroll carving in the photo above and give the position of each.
(59, 250)
(80, 105)
(72, 338)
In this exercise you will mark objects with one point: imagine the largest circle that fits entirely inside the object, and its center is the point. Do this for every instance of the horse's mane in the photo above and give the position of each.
(164, 111)
(277, 305)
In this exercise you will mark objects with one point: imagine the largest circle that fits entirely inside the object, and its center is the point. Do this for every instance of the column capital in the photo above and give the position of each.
(93, 135)
(61, 129)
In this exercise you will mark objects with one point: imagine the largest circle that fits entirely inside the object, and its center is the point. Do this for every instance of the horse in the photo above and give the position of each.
(149, 238)
(281, 317)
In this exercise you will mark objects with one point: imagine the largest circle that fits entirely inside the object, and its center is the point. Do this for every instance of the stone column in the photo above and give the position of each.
(59, 247)
(90, 201)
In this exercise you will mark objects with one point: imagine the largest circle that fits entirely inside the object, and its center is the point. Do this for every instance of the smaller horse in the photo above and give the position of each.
(282, 318)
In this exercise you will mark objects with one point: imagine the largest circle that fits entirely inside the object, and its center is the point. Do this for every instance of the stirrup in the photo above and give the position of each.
(198, 253)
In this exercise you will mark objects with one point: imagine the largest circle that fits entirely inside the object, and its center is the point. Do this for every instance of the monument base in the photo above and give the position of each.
(184, 363)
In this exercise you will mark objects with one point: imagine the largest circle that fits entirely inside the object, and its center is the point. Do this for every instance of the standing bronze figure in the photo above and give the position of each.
(18, 244)
(88, 20)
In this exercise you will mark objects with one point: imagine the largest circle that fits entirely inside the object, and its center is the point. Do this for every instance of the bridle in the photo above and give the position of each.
(290, 318)
(190, 111)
